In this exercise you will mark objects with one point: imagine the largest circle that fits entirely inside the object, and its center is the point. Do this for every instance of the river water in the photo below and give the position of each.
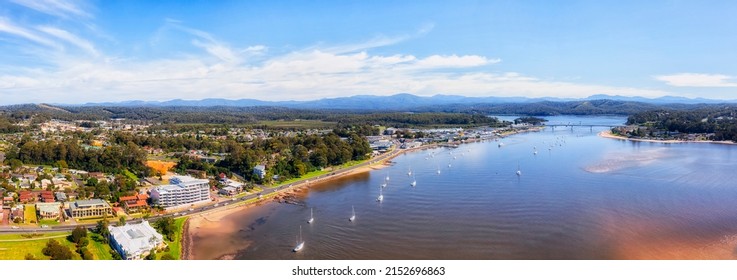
(580, 197)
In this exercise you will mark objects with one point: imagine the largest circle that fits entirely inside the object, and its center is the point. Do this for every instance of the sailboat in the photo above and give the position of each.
(353, 217)
(381, 196)
(312, 218)
(409, 173)
(300, 242)
(387, 177)
(519, 172)
(438, 170)
(414, 182)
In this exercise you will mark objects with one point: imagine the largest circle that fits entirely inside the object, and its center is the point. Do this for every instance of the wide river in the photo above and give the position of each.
(580, 197)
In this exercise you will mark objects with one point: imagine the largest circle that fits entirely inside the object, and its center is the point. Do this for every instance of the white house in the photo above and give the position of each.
(135, 241)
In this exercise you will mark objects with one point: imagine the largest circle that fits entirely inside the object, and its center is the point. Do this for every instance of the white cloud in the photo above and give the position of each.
(9, 27)
(59, 8)
(698, 80)
(296, 76)
(70, 38)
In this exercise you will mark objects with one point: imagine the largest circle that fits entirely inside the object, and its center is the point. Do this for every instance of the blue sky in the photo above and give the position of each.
(63, 51)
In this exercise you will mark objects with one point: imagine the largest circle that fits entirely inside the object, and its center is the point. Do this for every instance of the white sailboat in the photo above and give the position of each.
(438, 171)
(414, 182)
(300, 242)
(383, 185)
(312, 218)
(519, 172)
(387, 177)
(409, 173)
(381, 196)
(353, 216)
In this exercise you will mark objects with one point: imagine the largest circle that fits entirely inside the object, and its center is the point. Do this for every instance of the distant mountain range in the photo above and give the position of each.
(402, 101)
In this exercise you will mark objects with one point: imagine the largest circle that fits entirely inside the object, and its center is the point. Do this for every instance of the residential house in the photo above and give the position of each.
(135, 241)
(48, 210)
(61, 196)
(26, 197)
(92, 208)
(134, 203)
(259, 170)
(47, 196)
(17, 213)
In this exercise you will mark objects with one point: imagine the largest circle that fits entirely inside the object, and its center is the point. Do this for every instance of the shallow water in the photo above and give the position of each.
(581, 197)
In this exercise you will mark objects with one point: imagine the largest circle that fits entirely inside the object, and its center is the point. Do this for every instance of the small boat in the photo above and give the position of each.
(381, 196)
(438, 171)
(519, 172)
(387, 178)
(448, 165)
(353, 217)
(414, 182)
(300, 242)
(501, 144)
(409, 173)
(312, 218)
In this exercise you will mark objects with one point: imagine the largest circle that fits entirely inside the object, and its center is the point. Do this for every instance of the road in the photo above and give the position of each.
(221, 204)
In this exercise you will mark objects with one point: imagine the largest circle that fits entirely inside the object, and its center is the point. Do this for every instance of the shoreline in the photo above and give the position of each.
(211, 220)
(608, 134)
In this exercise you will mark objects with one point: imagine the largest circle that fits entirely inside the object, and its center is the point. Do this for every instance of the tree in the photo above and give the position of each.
(121, 221)
(78, 233)
(57, 251)
(167, 257)
(151, 255)
(30, 256)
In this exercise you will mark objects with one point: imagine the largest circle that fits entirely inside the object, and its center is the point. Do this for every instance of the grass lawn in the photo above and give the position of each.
(175, 247)
(48, 222)
(130, 175)
(17, 250)
(99, 249)
(316, 173)
(30, 213)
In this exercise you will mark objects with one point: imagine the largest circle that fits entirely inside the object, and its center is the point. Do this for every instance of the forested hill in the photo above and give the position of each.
(720, 120)
(451, 114)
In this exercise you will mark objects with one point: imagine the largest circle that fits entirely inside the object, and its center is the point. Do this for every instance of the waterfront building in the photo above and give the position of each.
(92, 208)
(183, 190)
(48, 210)
(135, 241)
(259, 170)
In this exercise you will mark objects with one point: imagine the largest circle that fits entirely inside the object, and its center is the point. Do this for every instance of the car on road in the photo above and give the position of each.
(14, 227)
(44, 226)
(191, 209)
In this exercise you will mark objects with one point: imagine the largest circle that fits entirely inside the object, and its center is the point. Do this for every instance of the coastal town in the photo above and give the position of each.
(130, 208)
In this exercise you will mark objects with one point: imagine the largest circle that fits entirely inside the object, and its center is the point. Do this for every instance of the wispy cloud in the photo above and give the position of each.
(9, 27)
(59, 8)
(698, 80)
(378, 41)
(71, 39)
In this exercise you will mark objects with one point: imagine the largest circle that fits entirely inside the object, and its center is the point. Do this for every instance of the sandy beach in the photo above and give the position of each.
(608, 134)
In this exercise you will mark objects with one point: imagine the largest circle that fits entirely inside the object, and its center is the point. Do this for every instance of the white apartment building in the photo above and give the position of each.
(182, 190)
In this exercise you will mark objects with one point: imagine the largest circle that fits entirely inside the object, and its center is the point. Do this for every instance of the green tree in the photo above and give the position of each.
(78, 233)
(121, 221)
(167, 257)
